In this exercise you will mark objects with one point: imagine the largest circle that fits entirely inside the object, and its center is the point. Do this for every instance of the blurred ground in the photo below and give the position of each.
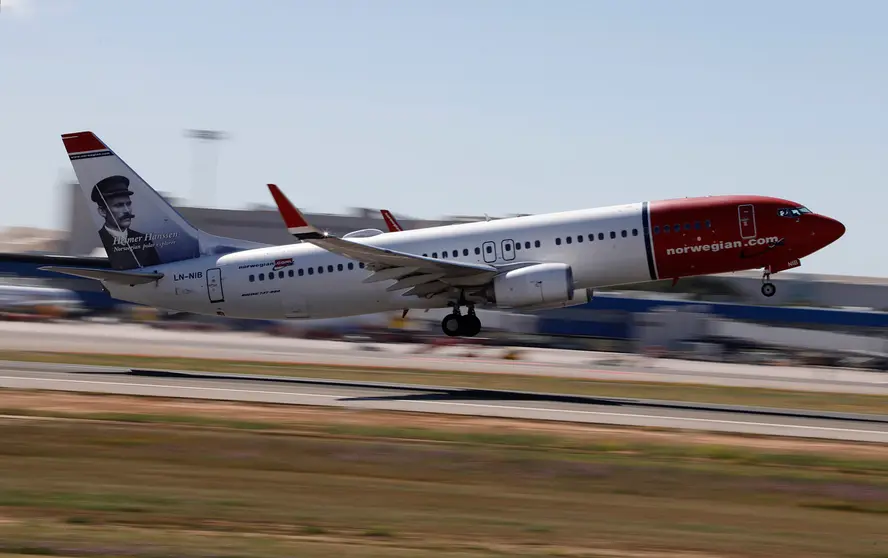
(252, 486)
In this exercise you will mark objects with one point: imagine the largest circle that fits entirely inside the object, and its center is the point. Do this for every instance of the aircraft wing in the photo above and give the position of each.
(390, 221)
(112, 276)
(423, 276)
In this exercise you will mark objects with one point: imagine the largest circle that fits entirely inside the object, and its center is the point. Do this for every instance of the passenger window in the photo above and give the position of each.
(507, 246)
(613, 234)
(477, 251)
(262, 277)
(536, 243)
(697, 225)
(623, 233)
(634, 232)
(320, 269)
(361, 265)
(338, 267)
(665, 228)
(600, 236)
(490, 249)
(301, 272)
(444, 255)
(252, 278)
(708, 224)
(271, 276)
(330, 268)
(579, 238)
(351, 265)
(425, 255)
(290, 273)
(657, 229)
(558, 242)
(280, 274)
(465, 251)
(676, 228)
(569, 240)
(311, 271)
(591, 237)
(517, 246)
(687, 226)
(527, 245)
(435, 255)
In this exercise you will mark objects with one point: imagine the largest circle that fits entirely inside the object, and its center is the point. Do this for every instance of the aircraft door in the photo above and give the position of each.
(508, 249)
(489, 251)
(214, 285)
(746, 214)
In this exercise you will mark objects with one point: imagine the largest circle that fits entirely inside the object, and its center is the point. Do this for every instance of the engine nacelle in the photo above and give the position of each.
(540, 286)
(581, 296)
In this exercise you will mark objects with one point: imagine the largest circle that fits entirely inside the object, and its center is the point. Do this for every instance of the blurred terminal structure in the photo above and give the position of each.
(835, 314)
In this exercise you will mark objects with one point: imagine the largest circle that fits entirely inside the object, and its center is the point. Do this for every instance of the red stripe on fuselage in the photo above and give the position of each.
(718, 234)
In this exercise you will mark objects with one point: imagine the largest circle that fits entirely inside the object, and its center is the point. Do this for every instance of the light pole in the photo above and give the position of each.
(205, 137)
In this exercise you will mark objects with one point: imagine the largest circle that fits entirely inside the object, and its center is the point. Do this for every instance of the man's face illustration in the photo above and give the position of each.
(119, 214)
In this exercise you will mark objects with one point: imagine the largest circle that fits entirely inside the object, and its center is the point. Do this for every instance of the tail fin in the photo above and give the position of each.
(137, 227)
(390, 221)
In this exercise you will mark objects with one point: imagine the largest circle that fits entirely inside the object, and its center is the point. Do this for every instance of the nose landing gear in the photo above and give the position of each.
(768, 288)
(458, 325)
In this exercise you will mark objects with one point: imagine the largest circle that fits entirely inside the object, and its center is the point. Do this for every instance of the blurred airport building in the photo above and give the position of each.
(809, 313)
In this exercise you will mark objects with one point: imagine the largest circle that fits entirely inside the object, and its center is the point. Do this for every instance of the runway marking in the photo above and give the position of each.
(473, 405)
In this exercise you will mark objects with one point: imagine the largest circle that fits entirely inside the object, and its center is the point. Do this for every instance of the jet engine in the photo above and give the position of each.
(540, 286)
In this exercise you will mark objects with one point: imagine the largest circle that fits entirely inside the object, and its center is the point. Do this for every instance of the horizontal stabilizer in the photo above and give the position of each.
(112, 276)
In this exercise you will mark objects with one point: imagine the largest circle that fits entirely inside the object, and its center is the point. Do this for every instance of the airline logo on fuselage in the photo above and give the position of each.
(282, 263)
(719, 246)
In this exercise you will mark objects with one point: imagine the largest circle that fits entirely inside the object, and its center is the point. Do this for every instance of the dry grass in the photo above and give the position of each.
(201, 479)
(521, 382)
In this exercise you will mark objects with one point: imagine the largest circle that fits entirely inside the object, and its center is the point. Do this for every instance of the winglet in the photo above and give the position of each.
(390, 221)
(293, 219)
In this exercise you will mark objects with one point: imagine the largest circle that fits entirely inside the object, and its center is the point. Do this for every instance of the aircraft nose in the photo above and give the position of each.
(828, 230)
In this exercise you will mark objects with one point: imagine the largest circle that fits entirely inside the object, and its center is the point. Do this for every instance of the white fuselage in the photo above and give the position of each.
(305, 281)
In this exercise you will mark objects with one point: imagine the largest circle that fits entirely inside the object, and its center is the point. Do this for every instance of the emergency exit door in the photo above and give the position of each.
(746, 214)
(214, 285)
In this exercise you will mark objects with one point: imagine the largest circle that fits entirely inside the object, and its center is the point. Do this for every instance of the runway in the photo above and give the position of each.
(421, 399)
(144, 340)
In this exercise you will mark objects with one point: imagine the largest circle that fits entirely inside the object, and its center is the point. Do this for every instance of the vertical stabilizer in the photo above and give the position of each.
(137, 227)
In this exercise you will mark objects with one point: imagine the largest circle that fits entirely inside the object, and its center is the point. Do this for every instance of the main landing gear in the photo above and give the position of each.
(458, 325)
(768, 288)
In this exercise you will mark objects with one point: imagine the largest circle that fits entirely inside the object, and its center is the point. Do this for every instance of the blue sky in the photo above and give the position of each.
(460, 107)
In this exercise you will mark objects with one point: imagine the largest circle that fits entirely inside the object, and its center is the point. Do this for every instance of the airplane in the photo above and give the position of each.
(523, 263)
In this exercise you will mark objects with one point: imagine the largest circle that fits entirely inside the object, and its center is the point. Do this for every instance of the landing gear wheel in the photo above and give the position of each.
(768, 289)
(451, 324)
(470, 326)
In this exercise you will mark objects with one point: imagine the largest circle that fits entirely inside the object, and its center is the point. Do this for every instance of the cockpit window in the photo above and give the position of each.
(792, 211)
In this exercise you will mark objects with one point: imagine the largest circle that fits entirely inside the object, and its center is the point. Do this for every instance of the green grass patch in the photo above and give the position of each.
(201, 489)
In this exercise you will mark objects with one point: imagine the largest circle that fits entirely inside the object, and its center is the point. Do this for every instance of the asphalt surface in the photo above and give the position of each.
(445, 401)
(144, 340)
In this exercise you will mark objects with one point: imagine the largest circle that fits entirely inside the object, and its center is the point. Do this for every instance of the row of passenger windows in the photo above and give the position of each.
(488, 249)
(696, 225)
(613, 234)
(310, 271)
(507, 246)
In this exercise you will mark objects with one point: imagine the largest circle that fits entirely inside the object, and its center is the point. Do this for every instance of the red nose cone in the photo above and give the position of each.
(828, 230)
